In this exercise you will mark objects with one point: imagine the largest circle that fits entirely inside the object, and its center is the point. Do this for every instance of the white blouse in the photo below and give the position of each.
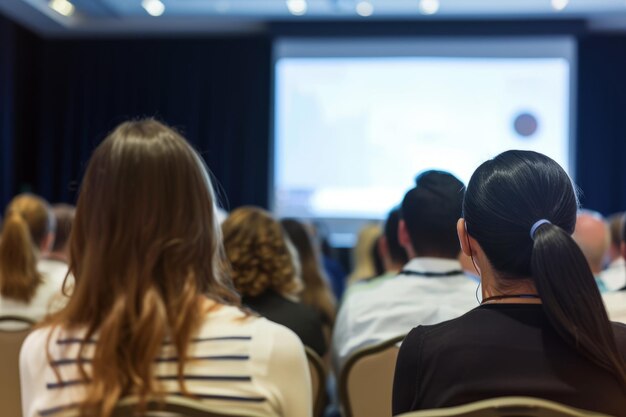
(238, 362)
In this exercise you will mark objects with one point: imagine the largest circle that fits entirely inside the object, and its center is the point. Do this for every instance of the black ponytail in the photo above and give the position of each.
(505, 197)
(571, 298)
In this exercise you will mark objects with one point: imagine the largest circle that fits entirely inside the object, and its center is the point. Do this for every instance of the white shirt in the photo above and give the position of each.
(399, 304)
(47, 298)
(614, 276)
(266, 359)
(615, 303)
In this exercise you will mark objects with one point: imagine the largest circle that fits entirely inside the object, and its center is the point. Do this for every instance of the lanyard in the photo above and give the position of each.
(431, 274)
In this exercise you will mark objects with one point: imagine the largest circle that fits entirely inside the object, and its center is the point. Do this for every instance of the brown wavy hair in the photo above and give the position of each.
(27, 224)
(317, 292)
(145, 253)
(259, 253)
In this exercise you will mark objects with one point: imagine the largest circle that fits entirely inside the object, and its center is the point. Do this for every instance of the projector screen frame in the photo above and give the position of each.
(542, 46)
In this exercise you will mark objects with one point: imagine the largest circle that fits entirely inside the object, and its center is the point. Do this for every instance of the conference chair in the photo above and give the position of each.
(507, 407)
(171, 406)
(366, 380)
(10, 345)
(318, 381)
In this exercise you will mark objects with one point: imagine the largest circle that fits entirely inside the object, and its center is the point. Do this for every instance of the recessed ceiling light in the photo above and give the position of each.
(559, 5)
(364, 8)
(153, 7)
(429, 6)
(63, 7)
(297, 7)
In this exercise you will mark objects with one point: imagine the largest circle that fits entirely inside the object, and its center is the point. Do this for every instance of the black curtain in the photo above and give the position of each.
(215, 91)
(601, 116)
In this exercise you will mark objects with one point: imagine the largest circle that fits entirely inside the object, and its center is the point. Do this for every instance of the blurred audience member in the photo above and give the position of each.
(336, 273)
(266, 273)
(317, 292)
(593, 238)
(392, 254)
(28, 287)
(541, 329)
(615, 301)
(429, 289)
(614, 276)
(363, 261)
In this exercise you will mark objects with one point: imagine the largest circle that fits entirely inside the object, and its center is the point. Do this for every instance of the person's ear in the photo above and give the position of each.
(461, 230)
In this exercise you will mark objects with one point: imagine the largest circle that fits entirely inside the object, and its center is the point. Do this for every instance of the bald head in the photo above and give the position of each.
(592, 235)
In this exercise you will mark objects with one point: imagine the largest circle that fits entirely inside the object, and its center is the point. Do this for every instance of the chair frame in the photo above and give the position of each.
(513, 406)
(318, 364)
(344, 398)
(185, 406)
(19, 319)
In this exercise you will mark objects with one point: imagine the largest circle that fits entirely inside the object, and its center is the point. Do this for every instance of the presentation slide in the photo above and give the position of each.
(352, 132)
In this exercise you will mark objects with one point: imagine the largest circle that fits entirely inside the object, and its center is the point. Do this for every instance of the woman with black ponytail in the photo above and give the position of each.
(541, 329)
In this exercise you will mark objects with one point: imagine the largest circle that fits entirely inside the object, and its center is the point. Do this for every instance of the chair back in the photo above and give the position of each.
(171, 406)
(507, 407)
(318, 381)
(10, 345)
(366, 380)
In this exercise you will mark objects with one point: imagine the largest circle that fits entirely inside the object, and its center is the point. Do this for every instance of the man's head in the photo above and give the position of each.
(592, 235)
(429, 215)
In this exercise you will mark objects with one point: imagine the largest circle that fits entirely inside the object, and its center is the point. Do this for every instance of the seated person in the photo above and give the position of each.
(28, 288)
(152, 312)
(615, 301)
(316, 292)
(56, 261)
(429, 289)
(541, 330)
(266, 273)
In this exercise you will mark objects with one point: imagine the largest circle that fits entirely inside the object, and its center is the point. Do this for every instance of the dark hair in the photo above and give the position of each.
(505, 197)
(377, 259)
(430, 211)
(396, 251)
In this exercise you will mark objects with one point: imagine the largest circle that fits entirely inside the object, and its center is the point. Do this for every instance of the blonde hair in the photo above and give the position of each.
(259, 253)
(27, 224)
(362, 254)
(145, 251)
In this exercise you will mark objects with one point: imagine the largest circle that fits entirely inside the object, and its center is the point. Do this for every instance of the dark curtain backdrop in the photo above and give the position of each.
(215, 91)
(601, 117)
(59, 98)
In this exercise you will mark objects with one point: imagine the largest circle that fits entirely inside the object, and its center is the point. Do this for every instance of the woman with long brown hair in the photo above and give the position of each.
(152, 312)
(28, 287)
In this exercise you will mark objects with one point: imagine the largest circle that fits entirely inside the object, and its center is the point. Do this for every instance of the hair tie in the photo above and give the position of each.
(535, 226)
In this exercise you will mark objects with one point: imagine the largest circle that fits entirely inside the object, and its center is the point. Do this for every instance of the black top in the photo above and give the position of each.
(500, 350)
(300, 318)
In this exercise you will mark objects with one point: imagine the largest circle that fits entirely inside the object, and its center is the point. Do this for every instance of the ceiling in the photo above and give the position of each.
(120, 17)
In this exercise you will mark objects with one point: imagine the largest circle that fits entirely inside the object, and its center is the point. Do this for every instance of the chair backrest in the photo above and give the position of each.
(507, 407)
(10, 345)
(318, 381)
(171, 406)
(366, 380)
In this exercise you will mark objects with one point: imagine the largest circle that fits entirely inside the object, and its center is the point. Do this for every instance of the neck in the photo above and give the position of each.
(520, 290)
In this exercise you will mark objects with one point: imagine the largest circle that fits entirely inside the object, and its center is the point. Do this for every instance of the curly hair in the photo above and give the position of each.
(259, 253)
